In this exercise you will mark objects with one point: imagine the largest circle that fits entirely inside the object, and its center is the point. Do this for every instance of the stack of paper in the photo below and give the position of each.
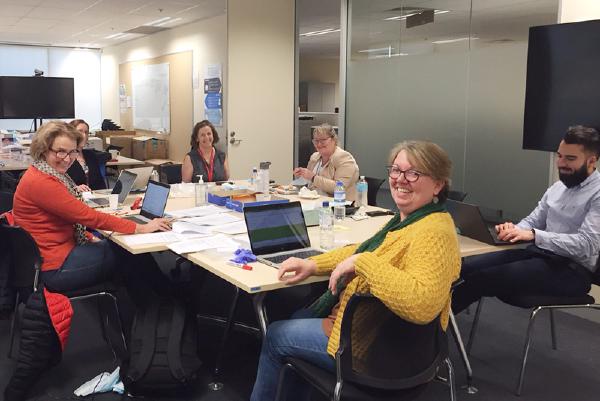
(197, 211)
(196, 245)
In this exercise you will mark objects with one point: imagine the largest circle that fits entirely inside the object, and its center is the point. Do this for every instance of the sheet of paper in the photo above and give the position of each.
(300, 181)
(183, 227)
(201, 244)
(157, 238)
(214, 220)
(237, 227)
(197, 211)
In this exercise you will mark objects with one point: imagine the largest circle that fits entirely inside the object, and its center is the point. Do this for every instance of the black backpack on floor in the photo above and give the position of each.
(163, 349)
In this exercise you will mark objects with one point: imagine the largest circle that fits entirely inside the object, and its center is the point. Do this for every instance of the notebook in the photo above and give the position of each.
(122, 187)
(143, 175)
(277, 232)
(470, 222)
(154, 203)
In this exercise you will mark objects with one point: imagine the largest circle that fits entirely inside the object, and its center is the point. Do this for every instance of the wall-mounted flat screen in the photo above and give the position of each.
(563, 82)
(37, 97)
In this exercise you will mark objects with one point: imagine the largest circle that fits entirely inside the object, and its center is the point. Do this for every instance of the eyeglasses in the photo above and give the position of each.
(409, 175)
(320, 141)
(61, 154)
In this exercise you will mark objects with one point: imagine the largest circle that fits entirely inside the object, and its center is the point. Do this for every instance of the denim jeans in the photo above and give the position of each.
(297, 337)
(85, 266)
(517, 272)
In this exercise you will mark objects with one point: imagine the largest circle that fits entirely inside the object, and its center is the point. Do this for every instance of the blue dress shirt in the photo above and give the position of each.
(567, 221)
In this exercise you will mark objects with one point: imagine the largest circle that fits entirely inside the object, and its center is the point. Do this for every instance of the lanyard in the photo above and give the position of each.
(209, 168)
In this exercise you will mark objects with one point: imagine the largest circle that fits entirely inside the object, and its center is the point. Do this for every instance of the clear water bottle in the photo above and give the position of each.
(154, 176)
(325, 227)
(254, 179)
(201, 192)
(339, 201)
(362, 189)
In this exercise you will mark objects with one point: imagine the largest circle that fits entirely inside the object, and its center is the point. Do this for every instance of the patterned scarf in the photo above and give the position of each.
(322, 307)
(44, 167)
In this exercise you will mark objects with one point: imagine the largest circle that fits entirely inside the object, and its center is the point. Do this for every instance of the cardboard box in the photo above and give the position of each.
(145, 147)
(105, 134)
(125, 142)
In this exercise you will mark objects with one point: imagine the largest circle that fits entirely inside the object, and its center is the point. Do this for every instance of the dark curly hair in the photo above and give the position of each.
(197, 127)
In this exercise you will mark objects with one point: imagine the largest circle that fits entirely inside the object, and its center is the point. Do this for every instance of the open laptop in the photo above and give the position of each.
(277, 232)
(470, 223)
(154, 203)
(122, 188)
(143, 175)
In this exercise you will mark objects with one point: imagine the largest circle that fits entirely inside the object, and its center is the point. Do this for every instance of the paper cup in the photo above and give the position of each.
(113, 201)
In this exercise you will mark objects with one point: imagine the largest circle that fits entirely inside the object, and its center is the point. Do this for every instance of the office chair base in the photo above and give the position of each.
(470, 389)
(215, 386)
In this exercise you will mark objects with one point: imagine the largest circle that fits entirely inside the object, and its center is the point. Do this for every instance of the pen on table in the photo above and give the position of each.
(240, 265)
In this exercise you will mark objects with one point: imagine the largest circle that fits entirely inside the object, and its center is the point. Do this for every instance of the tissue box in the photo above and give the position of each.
(145, 147)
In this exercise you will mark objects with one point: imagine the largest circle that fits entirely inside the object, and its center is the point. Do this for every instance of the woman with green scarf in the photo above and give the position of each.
(409, 265)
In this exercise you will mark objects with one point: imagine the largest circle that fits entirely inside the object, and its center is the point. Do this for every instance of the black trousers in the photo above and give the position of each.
(529, 271)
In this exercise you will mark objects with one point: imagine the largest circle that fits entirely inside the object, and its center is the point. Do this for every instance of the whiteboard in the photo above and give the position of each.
(150, 92)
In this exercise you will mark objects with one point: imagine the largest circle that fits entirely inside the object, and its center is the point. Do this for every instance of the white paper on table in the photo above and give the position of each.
(214, 220)
(300, 181)
(201, 244)
(184, 227)
(237, 227)
(155, 238)
(242, 239)
(197, 211)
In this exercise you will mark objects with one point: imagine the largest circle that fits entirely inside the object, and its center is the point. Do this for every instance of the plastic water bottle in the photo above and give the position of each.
(154, 176)
(339, 201)
(254, 179)
(362, 188)
(325, 227)
(200, 191)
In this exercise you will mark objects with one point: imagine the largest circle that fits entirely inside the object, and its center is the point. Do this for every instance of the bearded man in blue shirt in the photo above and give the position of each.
(565, 230)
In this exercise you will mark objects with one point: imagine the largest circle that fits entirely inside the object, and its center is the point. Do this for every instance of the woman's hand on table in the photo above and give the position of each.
(160, 224)
(304, 173)
(303, 268)
(83, 188)
(344, 269)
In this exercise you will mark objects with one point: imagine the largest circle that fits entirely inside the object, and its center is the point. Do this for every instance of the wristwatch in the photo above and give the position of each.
(533, 232)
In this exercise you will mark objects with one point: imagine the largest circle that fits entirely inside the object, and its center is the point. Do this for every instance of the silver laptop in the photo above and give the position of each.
(143, 175)
(154, 203)
(277, 232)
(122, 188)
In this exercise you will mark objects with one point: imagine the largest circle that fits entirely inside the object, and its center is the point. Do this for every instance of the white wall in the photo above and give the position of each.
(82, 65)
(207, 39)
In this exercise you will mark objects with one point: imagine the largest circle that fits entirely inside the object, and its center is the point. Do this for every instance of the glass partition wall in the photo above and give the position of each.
(452, 72)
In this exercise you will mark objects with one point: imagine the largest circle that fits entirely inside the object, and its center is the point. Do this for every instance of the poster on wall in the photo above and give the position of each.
(213, 94)
(150, 97)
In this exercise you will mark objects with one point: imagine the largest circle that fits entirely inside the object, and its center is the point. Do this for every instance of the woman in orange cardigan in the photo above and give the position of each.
(49, 207)
(409, 265)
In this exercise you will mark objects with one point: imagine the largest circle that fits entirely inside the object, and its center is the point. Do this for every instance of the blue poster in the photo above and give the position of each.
(212, 101)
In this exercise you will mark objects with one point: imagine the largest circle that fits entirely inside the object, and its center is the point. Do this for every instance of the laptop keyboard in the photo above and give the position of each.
(100, 201)
(299, 254)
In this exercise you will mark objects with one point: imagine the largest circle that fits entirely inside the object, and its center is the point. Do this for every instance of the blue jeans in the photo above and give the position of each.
(517, 272)
(85, 266)
(297, 337)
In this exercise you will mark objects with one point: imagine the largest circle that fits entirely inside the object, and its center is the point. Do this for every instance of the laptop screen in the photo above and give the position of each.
(155, 199)
(276, 228)
(143, 175)
(124, 184)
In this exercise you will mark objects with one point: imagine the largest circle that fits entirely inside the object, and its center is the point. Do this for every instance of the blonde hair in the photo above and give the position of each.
(428, 158)
(47, 133)
(327, 130)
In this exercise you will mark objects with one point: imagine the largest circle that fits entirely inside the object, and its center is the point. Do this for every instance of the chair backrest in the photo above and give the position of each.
(6, 201)
(381, 350)
(170, 173)
(457, 195)
(374, 185)
(25, 256)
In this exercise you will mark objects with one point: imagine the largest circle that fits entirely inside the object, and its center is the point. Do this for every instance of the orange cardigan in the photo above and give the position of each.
(44, 207)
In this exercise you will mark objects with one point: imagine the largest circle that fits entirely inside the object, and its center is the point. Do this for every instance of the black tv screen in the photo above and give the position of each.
(37, 97)
(563, 82)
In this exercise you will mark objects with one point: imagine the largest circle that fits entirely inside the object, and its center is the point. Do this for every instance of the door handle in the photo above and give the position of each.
(232, 140)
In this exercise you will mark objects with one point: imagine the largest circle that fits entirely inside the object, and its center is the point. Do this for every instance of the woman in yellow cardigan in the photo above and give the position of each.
(409, 264)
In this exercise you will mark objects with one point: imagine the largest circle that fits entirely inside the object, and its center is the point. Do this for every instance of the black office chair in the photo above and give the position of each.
(6, 201)
(26, 262)
(538, 303)
(374, 185)
(170, 173)
(457, 195)
(381, 356)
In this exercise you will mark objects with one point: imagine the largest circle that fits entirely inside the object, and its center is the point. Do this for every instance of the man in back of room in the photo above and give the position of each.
(565, 229)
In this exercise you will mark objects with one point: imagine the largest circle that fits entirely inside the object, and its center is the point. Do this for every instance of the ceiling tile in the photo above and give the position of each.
(12, 10)
(51, 13)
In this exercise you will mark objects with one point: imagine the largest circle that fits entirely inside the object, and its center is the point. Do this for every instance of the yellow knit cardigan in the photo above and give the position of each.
(411, 272)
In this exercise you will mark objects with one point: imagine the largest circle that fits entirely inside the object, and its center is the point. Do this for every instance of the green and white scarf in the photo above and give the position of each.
(322, 307)
(44, 167)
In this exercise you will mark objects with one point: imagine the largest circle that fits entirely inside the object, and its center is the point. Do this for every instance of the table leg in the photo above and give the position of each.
(261, 314)
(470, 388)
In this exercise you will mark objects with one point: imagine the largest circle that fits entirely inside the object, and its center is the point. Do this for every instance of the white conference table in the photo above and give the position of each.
(124, 161)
